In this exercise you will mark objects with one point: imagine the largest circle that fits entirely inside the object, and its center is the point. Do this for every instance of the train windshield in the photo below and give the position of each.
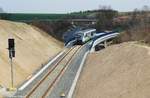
(79, 34)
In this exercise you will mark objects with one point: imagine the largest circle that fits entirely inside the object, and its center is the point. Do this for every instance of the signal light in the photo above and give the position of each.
(11, 43)
(11, 47)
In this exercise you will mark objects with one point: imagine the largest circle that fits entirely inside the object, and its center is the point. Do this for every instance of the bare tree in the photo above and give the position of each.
(146, 8)
(105, 17)
(1, 10)
(139, 27)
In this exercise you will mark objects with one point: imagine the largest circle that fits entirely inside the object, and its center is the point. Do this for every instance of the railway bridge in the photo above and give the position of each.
(82, 21)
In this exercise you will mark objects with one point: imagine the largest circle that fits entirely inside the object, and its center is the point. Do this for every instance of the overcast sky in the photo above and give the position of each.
(66, 6)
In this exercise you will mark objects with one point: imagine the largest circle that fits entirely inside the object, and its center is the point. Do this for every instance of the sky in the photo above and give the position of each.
(67, 6)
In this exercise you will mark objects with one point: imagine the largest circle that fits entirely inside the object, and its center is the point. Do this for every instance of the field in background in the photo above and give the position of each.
(28, 17)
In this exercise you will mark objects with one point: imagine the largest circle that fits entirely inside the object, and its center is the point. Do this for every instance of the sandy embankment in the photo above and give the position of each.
(119, 71)
(33, 48)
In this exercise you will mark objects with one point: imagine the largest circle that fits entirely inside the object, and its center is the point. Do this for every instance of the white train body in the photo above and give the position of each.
(85, 35)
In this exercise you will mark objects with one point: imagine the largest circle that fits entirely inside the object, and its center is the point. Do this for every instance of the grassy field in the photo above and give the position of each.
(30, 17)
(51, 17)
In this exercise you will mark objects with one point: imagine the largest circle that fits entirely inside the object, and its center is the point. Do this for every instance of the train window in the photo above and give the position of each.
(92, 33)
(89, 34)
(86, 35)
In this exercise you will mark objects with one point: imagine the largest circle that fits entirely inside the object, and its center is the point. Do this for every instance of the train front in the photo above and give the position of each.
(79, 38)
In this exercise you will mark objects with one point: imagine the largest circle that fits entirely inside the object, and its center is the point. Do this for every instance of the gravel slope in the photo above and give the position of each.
(33, 48)
(119, 71)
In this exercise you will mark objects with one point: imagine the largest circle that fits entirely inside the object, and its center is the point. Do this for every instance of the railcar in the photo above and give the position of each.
(85, 35)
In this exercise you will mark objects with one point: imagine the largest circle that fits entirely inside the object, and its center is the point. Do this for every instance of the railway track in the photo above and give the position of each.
(45, 85)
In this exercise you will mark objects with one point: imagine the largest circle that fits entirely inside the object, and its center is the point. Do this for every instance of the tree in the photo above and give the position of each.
(1, 10)
(105, 18)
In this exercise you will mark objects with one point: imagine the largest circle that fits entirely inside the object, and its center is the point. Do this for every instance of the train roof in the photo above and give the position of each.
(87, 30)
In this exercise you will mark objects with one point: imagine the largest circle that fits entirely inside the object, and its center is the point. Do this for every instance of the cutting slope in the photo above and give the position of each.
(119, 71)
(33, 48)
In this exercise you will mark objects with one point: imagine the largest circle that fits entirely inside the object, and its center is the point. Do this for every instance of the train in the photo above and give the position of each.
(84, 36)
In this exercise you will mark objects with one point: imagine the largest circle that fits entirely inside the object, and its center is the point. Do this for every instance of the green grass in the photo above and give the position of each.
(30, 17)
(51, 17)
(27, 17)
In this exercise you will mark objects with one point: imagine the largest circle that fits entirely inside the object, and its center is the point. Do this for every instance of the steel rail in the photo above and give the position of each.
(60, 74)
(48, 73)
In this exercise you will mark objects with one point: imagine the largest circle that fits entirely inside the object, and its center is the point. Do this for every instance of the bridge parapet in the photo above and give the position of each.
(103, 38)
